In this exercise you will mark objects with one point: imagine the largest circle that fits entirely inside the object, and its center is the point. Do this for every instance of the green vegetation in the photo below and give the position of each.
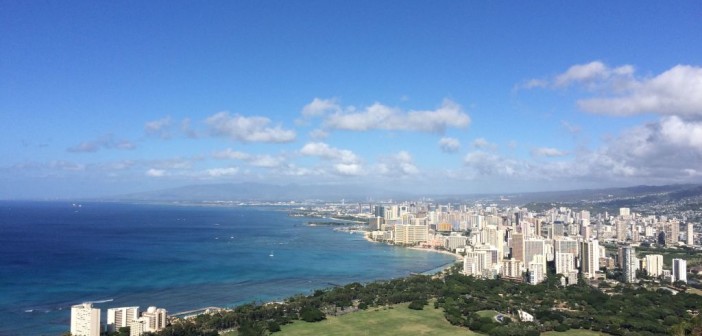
(573, 332)
(464, 303)
(380, 321)
(692, 256)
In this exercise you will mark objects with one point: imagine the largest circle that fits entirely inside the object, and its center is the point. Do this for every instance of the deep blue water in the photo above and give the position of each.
(53, 255)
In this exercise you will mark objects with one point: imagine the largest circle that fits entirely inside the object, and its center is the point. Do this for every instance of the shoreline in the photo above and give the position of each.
(458, 257)
(366, 235)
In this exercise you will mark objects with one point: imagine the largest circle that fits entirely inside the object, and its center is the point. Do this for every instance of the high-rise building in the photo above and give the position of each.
(85, 320)
(410, 234)
(654, 265)
(152, 320)
(672, 232)
(690, 234)
(512, 268)
(622, 228)
(624, 212)
(518, 246)
(474, 263)
(590, 256)
(629, 263)
(679, 270)
(536, 273)
(565, 262)
(532, 248)
(121, 317)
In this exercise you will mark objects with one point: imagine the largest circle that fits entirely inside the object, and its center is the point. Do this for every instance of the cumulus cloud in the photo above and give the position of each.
(379, 116)
(231, 155)
(449, 145)
(482, 143)
(156, 172)
(220, 172)
(481, 163)
(320, 107)
(323, 150)
(548, 152)
(105, 142)
(677, 91)
(349, 169)
(319, 134)
(620, 92)
(248, 129)
(399, 165)
(160, 127)
(264, 161)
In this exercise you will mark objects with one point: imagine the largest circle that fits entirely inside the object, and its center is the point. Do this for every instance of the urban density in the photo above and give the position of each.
(519, 244)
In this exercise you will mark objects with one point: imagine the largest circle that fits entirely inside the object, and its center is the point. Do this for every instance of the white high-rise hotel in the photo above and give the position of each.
(85, 320)
(121, 317)
(679, 270)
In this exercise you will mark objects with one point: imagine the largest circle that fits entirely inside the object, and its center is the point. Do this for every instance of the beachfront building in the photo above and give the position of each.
(451, 243)
(121, 317)
(474, 263)
(85, 320)
(152, 320)
(406, 234)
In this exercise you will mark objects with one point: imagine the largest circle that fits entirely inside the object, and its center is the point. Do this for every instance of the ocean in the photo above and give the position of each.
(57, 254)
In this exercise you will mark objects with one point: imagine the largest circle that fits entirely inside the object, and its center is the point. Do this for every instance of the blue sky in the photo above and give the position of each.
(104, 98)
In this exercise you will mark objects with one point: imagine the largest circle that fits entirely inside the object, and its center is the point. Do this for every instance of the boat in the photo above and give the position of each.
(271, 255)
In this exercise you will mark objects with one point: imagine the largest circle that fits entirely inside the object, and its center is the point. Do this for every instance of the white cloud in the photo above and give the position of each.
(327, 152)
(619, 92)
(231, 155)
(397, 165)
(156, 172)
(320, 107)
(247, 129)
(482, 143)
(219, 172)
(677, 91)
(591, 73)
(105, 142)
(482, 163)
(318, 134)
(379, 116)
(449, 145)
(160, 127)
(349, 169)
(548, 152)
(264, 161)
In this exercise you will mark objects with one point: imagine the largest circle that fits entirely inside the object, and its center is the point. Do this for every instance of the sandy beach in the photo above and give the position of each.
(457, 256)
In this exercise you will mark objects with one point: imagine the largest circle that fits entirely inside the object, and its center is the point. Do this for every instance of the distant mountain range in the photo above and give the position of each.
(353, 193)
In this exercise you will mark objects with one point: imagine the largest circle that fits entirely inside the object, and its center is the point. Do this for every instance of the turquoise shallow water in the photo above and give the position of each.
(54, 255)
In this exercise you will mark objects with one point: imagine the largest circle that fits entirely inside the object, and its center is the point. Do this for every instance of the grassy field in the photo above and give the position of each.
(487, 313)
(377, 322)
(397, 321)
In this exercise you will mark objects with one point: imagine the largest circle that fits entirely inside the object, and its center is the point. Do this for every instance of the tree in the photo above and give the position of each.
(311, 314)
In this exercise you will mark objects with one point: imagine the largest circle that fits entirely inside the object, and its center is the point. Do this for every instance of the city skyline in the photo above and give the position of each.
(102, 99)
